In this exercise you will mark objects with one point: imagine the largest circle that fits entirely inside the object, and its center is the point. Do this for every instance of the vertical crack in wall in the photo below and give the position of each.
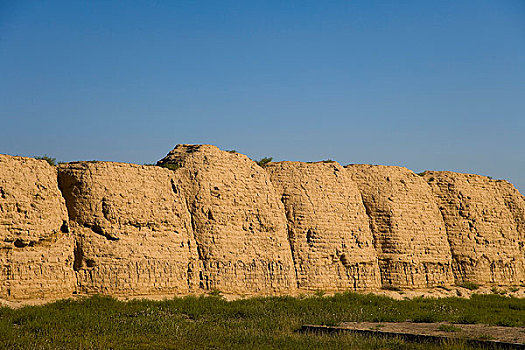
(453, 256)
(291, 236)
(292, 252)
(200, 263)
(77, 249)
(195, 269)
(78, 256)
(374, 239)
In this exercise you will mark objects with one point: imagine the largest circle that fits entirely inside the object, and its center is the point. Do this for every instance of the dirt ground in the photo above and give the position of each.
(438, 292)
(478, 332)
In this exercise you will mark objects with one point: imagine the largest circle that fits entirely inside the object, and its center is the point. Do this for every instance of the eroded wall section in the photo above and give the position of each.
(132, 227)
(409, 232)
(36, 248)
(328, 227)
(238, 221)
(515, 202)
(483, 222)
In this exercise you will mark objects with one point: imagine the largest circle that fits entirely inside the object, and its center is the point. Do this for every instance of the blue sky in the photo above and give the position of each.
(436, 85)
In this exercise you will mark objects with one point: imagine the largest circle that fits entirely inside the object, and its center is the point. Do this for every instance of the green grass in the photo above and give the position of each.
(496, 290)
(469, 285)
(449, 328)
(257, 323)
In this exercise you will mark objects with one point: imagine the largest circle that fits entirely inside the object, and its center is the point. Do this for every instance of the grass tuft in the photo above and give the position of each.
(449, 328)
(468, 285)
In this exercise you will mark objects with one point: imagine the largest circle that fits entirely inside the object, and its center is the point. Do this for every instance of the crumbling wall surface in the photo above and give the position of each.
(132, 227)
(327, 225)
(409, 232)
(238, 221)
(217, 220)
(515, 202)
(35, 245)
(483, 226)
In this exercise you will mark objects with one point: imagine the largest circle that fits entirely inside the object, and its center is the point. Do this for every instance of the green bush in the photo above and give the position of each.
(51, 161)
(264, 161)
(170, 166)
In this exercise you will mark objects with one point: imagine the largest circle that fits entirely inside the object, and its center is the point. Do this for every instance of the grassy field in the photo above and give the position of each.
(257, 323)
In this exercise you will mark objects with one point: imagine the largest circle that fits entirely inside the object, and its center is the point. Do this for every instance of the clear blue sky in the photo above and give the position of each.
(436, 85)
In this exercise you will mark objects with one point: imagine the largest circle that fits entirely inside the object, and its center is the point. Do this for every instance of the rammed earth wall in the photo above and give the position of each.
(217, 220)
